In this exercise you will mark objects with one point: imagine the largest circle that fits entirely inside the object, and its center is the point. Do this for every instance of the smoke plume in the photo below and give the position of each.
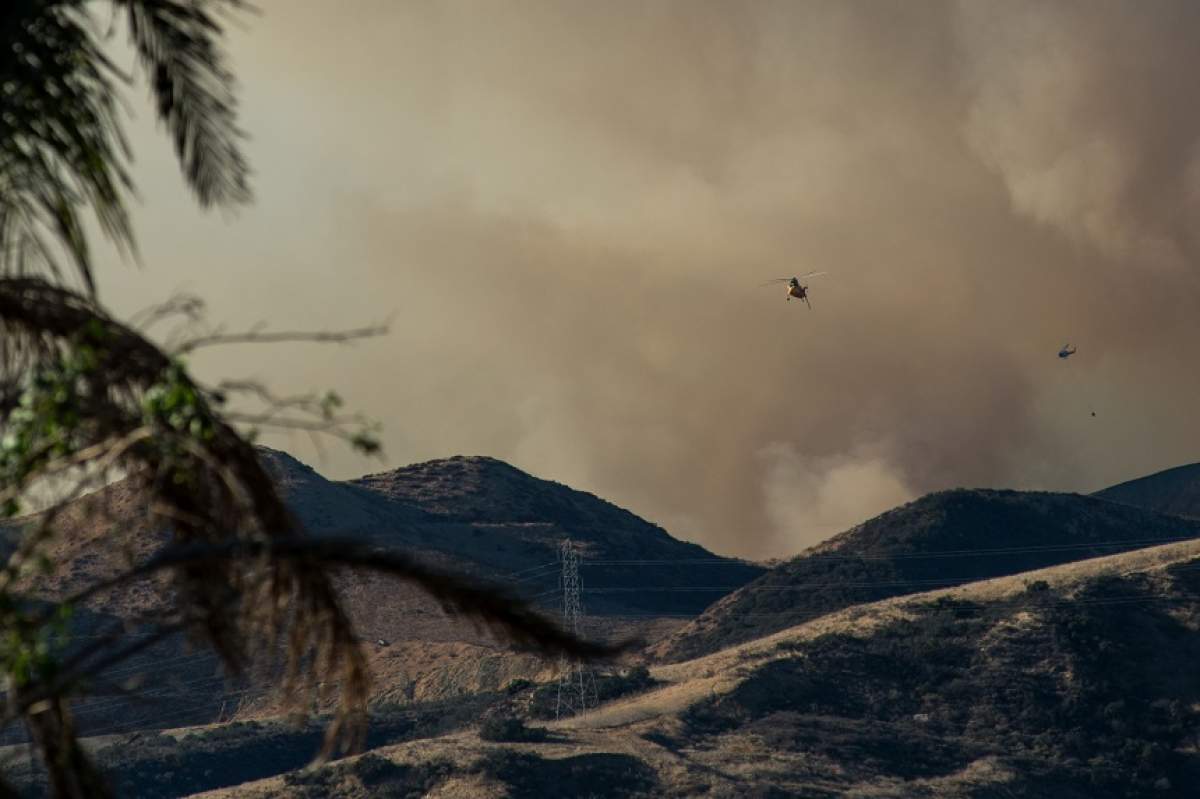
(569, 206)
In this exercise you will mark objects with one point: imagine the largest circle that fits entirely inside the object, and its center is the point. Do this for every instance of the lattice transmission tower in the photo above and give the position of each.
(577, 683)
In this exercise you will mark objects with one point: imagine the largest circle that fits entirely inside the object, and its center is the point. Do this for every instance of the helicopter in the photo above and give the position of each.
(794, 289)
(1066, 352)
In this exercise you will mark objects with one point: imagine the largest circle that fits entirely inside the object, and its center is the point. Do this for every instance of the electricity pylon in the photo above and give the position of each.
(576, 683)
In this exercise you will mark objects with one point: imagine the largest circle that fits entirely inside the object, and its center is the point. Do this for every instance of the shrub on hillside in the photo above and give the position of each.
(518, 685)
(509, 729)
(617, 776)
(608, 687)
(387, 779)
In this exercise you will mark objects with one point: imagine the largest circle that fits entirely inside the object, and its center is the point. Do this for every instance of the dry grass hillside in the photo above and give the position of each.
(1070, 681)
(1076, 681)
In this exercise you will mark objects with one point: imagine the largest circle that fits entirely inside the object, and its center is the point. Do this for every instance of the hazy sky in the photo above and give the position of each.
(568, 207)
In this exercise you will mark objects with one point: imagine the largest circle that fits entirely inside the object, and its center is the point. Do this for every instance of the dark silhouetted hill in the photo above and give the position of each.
(498, 520)
(943, 539)
(1174, 491)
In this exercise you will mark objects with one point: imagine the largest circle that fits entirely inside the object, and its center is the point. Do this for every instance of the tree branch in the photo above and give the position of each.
(256, 337)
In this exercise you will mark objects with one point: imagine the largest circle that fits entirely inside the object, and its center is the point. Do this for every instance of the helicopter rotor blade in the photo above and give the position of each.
(812, 274)
(773, 281)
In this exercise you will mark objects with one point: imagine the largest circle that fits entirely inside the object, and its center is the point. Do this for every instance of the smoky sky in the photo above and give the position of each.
(566, 209)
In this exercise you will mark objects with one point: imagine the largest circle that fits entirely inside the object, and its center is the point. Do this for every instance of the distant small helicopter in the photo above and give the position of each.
(1066, 352)
(794, 289)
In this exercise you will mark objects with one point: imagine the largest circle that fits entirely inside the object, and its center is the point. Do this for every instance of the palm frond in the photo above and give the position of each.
(72, 773)
(242, 569)
(177, 47)
(62, 148)
(62, 143)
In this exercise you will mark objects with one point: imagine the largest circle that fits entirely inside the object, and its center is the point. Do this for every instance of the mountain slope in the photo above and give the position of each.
(1173, 491)
(1071, 682)
(476, 516)
(501, 521)
(328, 507)
(942, 539)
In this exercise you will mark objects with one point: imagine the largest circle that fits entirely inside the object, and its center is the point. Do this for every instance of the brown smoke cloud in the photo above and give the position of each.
(570, 206)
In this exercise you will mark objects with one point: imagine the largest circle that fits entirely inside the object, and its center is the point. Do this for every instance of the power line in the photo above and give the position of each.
(577, 683)
(551, 564)
(931, 583)
(1138, 543)
(1010, 603)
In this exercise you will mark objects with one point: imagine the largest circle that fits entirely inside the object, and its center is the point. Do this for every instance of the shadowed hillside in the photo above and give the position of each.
(942, 539)
(472, 515)
(475, 515)
(1082, 689)
(499, 520)
(1072, 682)
(1174, 491)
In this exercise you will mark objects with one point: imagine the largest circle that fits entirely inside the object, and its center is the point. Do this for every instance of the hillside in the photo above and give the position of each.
(1072, 682)
(472, 515)
(499, 520)
(1173, 491)
(943, 539)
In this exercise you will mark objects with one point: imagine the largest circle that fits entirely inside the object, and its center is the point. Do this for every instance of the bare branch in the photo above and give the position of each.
(257, 337)
(188, 306)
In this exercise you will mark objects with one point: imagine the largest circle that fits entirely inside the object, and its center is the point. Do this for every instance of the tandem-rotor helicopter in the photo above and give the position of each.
(1066, 352)
(794, 289)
